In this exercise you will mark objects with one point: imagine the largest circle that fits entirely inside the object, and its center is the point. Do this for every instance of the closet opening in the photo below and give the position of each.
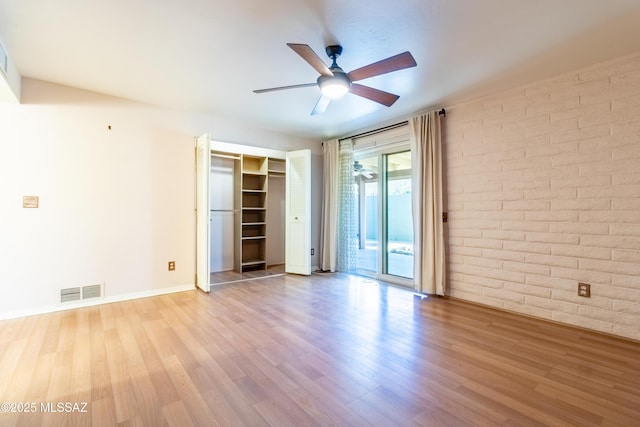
(242, 209)
(247, 195)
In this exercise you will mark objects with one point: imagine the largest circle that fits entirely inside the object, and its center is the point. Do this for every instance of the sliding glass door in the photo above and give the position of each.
(366, 179)
(383, 188)
(397, 221)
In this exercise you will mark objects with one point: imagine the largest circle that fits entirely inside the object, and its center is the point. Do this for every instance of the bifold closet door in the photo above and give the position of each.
(203, 171)
(298, 212)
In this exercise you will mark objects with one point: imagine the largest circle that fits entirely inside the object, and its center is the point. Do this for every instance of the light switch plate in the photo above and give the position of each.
(30, 201)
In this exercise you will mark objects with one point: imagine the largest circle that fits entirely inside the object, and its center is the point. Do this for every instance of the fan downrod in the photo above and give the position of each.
(333, 51)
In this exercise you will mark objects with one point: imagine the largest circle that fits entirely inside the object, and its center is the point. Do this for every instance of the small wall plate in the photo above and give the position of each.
(30, 202)
(584, 290)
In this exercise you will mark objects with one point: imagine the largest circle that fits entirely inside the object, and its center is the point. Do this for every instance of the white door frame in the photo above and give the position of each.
(202, 212)
(203, 233)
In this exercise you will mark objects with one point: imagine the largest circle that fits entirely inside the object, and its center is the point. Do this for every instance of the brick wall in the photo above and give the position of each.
(543, 192)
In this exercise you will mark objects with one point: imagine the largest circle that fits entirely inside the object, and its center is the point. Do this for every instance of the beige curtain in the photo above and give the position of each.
(429, 252)
(329, 223)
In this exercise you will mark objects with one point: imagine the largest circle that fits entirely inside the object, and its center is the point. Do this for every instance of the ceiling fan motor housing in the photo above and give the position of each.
(333, 51)
(339, 77)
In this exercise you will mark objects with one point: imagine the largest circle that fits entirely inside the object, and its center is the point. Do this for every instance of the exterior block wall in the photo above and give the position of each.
(543, 192)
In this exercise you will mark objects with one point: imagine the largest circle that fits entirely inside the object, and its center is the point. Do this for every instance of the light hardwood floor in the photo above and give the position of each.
(231, 276)
(325, 350)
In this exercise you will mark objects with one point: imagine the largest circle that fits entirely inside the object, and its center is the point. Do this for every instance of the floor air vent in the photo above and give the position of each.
(91, 291)
(70, 294)
(81, 293)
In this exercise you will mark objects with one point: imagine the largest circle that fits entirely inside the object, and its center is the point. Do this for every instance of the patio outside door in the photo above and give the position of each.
(383, 189)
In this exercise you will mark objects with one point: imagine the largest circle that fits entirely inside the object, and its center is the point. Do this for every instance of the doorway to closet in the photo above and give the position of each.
(252, 212)
(247, 224)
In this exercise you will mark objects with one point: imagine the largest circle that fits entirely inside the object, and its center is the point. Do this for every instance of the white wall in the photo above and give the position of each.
(115, 205)
(544, 192)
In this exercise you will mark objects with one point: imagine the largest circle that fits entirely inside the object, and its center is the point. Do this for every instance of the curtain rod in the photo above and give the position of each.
(375, 131)
(442, 112)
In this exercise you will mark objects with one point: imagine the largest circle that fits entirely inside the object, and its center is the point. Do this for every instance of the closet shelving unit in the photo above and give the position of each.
(254, 213)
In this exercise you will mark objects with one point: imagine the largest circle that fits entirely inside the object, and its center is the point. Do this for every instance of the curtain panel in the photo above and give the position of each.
(338, 229)
(429, 251)
(329, 220)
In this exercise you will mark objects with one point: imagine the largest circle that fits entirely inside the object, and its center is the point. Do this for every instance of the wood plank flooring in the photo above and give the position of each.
(318, 351)
(231, 276)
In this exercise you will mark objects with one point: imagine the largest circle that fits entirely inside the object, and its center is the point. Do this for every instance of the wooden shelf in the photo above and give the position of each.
(253, 262)
(254, 231)
(254, 165)
(254, 182)
(276, 166)
(253, 251)
(253, 266)
(253, 216)
(254, 200)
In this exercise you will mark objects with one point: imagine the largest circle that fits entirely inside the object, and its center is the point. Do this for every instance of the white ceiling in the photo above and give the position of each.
(207, 56)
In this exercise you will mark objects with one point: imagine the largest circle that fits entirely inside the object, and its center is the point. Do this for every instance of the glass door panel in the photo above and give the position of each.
(382, 183)
(365, 173)
(398, 222)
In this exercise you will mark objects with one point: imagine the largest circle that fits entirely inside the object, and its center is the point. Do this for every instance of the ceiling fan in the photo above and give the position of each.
(359, 170)
(334, 82)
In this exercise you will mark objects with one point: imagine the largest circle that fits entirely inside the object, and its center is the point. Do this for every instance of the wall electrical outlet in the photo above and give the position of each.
(313, 251)
(584, 290)
(172, 265)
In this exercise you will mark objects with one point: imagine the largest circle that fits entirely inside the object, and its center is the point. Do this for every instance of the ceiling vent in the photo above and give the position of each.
(80, 293)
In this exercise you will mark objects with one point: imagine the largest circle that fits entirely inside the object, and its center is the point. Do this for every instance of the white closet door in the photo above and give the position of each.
(203, 168)
(298, 212)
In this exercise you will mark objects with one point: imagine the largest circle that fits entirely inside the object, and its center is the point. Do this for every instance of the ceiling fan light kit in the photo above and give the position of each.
(335, 86)
(335, 83)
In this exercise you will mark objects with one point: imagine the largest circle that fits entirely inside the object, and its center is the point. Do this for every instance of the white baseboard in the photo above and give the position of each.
(94, 301)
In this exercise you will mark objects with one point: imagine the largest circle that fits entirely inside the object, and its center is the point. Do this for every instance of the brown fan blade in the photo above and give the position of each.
(310, 56)
(321, 105)
(379, 96)
(394, 63)
(271, 89)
